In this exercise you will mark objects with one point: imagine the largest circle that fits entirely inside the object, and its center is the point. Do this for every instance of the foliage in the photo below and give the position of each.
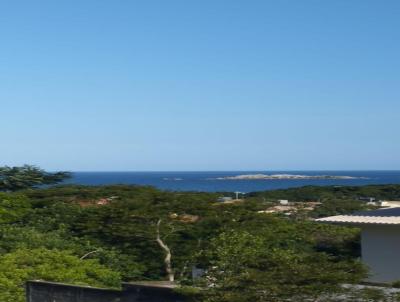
(55, 215)
(321, 193)
(244, 267)
(396, 284)
(247, 255)
(307, 193)
(28, 238)
(128, 223)
(191, 293)
(333, 207)
(19, 178)
(54, 265)
(13, 207)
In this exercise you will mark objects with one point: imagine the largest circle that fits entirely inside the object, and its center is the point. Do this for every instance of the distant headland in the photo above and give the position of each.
(285, 177)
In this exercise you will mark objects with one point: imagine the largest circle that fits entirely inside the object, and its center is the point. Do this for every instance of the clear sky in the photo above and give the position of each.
(200, 85)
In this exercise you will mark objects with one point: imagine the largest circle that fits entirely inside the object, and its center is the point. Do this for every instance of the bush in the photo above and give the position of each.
(50, 265)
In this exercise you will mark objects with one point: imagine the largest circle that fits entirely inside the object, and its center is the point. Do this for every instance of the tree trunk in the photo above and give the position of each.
(168, 255)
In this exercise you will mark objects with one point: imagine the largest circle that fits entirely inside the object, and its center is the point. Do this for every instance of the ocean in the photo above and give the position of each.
(209, 182)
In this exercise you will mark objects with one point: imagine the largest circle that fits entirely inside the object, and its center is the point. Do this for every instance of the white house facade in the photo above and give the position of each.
(380, 241)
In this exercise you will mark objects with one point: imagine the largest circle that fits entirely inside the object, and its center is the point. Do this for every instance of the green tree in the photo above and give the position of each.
(244, 268)
(27, 176)
(273, 257)
(49, 265)
(13, 207)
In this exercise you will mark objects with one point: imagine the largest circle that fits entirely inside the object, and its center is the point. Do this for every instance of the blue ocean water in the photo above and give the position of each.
(207, 182)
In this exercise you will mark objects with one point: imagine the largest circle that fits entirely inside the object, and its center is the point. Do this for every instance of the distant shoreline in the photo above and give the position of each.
(208, 182)
(285, 177)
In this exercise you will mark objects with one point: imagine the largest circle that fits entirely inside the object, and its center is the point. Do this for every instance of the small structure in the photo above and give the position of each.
(224, 199)
(283, 202)
(367, 198)
(380, 241)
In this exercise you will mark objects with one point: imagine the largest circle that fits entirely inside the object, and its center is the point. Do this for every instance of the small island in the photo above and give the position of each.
(284, 177)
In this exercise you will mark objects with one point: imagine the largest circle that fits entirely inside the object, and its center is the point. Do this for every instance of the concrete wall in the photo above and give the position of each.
(38, 291)
(381, 251)
(55, 292)
(147, 292)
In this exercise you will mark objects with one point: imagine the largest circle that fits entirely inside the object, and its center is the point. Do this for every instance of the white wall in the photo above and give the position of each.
(380, 246)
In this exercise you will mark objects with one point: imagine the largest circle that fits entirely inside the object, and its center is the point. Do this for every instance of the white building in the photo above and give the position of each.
(389, 203)
(380, 241)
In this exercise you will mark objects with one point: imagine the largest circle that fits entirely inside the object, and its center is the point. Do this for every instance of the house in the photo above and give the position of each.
(380, 241)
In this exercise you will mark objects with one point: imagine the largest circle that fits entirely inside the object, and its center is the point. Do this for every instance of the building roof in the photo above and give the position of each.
(389, 216)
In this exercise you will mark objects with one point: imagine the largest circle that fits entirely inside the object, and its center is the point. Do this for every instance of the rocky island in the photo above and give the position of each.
(284, 177)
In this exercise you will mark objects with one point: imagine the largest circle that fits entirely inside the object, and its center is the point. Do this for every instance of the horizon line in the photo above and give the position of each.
(211, 171)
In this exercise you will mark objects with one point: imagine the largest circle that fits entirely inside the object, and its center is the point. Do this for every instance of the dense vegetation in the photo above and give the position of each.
(102, 235)
(321, 193)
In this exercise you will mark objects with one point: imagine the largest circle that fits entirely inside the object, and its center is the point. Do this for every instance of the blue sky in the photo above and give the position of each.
(200, 85)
